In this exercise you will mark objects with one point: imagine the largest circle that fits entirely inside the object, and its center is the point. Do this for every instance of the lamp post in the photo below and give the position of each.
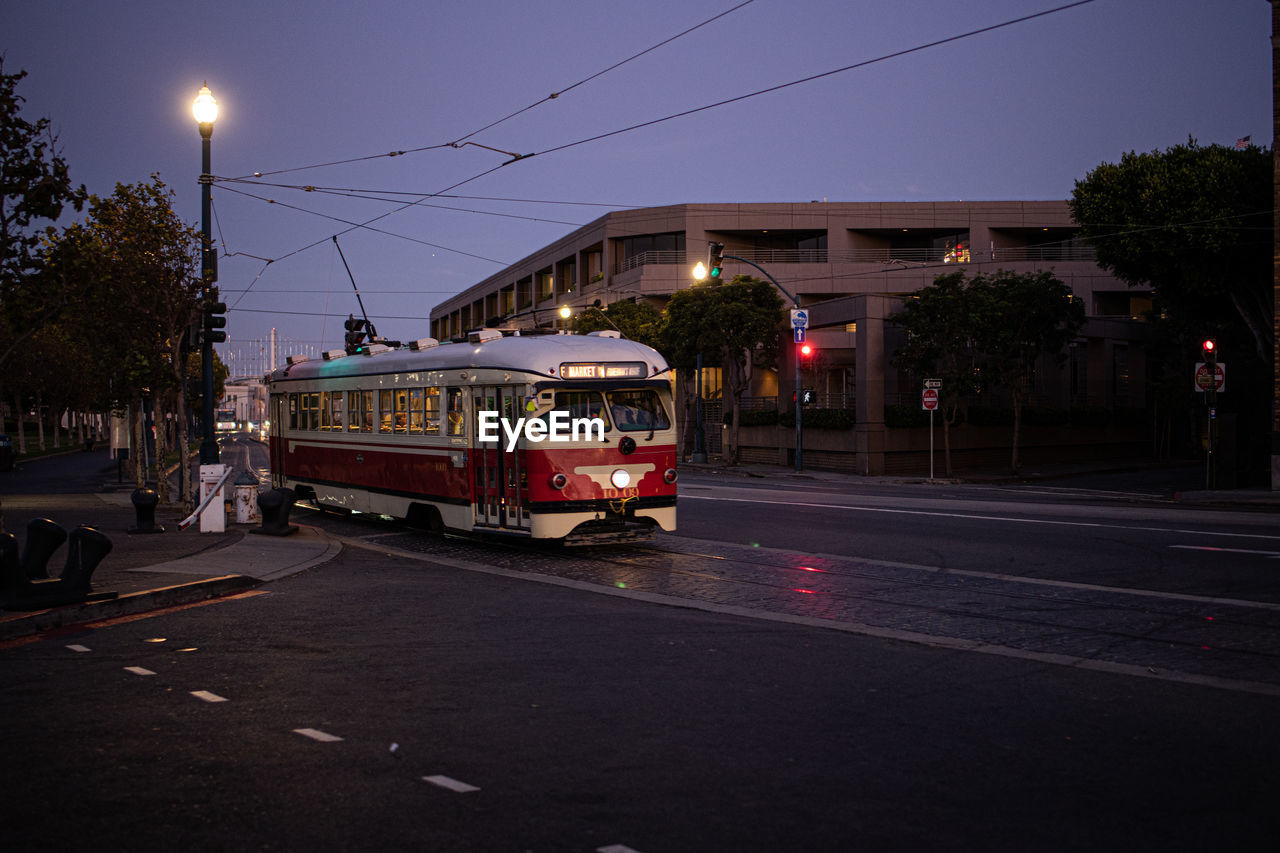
(205, 110)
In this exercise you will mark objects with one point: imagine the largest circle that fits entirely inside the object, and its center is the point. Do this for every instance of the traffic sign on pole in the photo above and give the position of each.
(1211, 376)
(799, 330)
(799, 318)
(933, 383)
(929, 399)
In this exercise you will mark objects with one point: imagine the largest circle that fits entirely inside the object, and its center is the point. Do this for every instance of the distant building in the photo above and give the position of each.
(846, 262)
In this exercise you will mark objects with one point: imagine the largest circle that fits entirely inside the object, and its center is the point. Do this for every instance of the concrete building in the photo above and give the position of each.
(847, 262)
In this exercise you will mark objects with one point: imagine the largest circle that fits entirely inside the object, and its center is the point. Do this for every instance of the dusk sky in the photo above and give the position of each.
(1020, 112)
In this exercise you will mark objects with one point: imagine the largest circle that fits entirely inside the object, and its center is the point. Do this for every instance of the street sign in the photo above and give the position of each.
(933, 383)
(929, 399)
(799, 330)
(799, 318)
(1218, 382)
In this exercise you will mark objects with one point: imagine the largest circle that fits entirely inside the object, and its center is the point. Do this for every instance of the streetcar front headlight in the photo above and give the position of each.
(559, 480)
(620, 478)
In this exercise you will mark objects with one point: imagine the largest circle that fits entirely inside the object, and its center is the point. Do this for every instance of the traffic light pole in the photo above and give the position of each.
(795, 355)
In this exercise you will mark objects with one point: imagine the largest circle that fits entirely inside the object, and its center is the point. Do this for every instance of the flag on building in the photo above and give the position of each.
(1243, 142)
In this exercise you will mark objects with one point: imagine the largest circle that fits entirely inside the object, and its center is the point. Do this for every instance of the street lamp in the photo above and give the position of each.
(205, 110)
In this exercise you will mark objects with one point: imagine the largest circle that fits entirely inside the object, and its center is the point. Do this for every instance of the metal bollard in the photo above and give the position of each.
(275, 505)
(246, 491)
(43, 538)
(86, 548)
(144, 506)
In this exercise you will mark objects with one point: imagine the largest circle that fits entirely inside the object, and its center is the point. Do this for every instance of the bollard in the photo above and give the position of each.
(275, 506)
(86, 548)
(144, 506)
(43, 538)
(246, 491)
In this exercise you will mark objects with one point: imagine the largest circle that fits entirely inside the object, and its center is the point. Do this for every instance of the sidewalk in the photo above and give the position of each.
(147, 571)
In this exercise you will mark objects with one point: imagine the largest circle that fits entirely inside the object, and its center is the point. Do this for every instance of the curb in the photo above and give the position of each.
(17, 625)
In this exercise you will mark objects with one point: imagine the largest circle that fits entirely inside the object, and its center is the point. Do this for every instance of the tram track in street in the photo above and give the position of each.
(1072, 623)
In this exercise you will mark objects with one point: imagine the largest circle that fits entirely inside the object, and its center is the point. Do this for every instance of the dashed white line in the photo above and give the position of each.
(76, 647)
(616, 848)
(137, 670)
(450, 784)
(207, 696)
(316, 734)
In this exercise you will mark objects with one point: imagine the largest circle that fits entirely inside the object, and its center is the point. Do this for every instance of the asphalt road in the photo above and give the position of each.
(803, 667)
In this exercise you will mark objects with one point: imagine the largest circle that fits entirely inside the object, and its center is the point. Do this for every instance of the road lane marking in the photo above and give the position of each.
(137, 670)
(450, 784)
(316, 734)
(1272, 554)
(76, 647)
(207, 696)
(616, 848)
(1004, 518)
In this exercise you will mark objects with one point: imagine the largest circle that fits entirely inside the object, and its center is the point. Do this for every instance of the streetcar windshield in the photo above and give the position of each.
(582, 404)
(637, 410)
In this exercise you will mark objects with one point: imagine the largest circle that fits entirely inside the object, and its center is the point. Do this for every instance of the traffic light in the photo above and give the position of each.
(215, 319)
(355, 332)
(715, 259)
(806, 351)
(1209, 350)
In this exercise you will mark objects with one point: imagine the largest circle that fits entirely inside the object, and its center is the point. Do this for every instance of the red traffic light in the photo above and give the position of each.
(806, 349)
(1209, 345)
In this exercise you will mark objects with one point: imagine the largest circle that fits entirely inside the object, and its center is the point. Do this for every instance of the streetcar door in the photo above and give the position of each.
(500, 481)
(279, 414)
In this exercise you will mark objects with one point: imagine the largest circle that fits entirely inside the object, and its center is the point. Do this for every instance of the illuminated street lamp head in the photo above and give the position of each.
(700, 271)
(205, 109)
(566, 312)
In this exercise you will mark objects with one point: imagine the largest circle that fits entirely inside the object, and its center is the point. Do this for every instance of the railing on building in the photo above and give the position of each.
(888, 255)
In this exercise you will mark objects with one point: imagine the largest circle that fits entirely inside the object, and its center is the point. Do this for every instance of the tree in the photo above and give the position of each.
(135, 264)
(34, 185)
(1194, 224)
(1016, 318)
(940, 342)
(734, 326)
(636, 321)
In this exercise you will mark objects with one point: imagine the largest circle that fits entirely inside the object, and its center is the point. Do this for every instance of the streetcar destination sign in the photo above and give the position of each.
(603, 370)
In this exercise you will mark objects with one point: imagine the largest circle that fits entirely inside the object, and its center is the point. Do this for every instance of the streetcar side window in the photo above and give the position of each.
(353, 407)
(432, 410)
(366, 411)
(312, 415)
(293, 411)
(457, 424)
(386, 410)
(415, 411)
(337, 410)
(637, 410)
(323, 407)
(402, 410)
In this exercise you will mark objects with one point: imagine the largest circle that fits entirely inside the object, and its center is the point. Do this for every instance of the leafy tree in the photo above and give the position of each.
(1194, 223)
(940, 344)
(637, 321)
(34, 185)
(1016, 318)
(135, 263)
(734, 326)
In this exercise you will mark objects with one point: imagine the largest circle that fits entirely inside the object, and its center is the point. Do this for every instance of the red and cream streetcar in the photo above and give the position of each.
(563, 437)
